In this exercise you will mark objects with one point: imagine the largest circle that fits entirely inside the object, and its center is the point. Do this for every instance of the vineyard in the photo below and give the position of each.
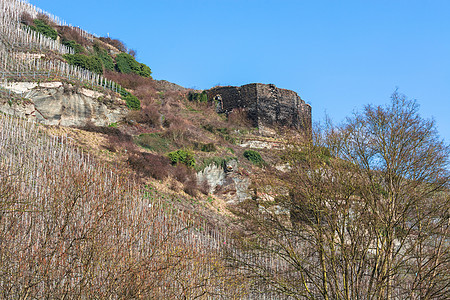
(73, 226)
(23, 50)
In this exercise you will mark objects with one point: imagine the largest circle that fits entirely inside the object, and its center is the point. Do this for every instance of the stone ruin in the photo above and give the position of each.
(267, 106)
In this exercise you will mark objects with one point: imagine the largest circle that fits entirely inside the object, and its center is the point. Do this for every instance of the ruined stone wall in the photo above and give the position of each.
(267, 105)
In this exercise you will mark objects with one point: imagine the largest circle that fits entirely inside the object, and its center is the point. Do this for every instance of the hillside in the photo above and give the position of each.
(116, 185)
(112, 137)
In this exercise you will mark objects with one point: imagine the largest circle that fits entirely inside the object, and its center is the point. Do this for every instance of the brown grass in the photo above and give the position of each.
(130, 81)
(118, 44)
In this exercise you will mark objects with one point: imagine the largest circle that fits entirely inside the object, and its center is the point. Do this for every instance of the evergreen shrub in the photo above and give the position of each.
(182, 156)
(42, 27)
(254, 157)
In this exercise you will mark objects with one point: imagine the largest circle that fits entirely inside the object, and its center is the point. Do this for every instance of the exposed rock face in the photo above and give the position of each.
(225, 181)
(267, 106)
(56, 103)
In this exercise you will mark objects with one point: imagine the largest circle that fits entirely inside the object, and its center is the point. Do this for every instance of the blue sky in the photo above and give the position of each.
(337, 55)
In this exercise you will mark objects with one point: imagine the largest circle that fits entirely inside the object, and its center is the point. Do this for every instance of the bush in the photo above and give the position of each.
(125, 63)
(91, 63)
(182, 156)
(198, 97)
(132, 102)
(26, 19)
(145, 70)
(147, 164)
(42, 27)
(132, 81)
(107, 60)
(74, 45)
(190, 186)
(254, 157)
(148, 115)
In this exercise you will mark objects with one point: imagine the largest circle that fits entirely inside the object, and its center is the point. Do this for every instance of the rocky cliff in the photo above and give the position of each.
(267, 106)
(57, 103)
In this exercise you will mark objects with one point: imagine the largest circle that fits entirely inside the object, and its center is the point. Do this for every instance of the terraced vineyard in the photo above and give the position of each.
(25, 53)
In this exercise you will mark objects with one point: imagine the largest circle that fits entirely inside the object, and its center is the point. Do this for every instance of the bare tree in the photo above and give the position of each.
(361, 213)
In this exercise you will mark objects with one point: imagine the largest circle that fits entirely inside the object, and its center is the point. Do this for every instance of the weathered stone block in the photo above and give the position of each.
(267, 106)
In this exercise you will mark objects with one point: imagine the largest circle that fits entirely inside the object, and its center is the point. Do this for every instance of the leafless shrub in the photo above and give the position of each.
(148, 115)
(118, 44)
(131, 80)
(26, 19)
(71, 34)
(148, 164)
(190, 186)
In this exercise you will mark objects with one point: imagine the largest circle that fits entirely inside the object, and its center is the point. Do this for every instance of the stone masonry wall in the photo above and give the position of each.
(267, 105)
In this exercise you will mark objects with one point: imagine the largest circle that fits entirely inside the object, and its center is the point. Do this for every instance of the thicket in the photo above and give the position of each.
(198, 97)
(254, 157)
(131, 100)
(68, 33)
(91, 62)
(74, 45)
(182, 156)
(40, 26)
(107, 60)
(125, 63)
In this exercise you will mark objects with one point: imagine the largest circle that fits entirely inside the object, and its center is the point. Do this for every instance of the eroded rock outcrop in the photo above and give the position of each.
(226, 181)
(57, 103)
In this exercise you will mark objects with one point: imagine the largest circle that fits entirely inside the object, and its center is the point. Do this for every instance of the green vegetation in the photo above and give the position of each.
(182, 156)
(74, 45)
(131, 100)
(91, 63)
(198, 97)
(154, 142)
(254, 157)
(107, 60)
(42, 27)
(125, 63)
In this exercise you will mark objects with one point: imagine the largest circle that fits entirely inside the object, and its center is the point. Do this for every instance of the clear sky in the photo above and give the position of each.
(337, 55)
